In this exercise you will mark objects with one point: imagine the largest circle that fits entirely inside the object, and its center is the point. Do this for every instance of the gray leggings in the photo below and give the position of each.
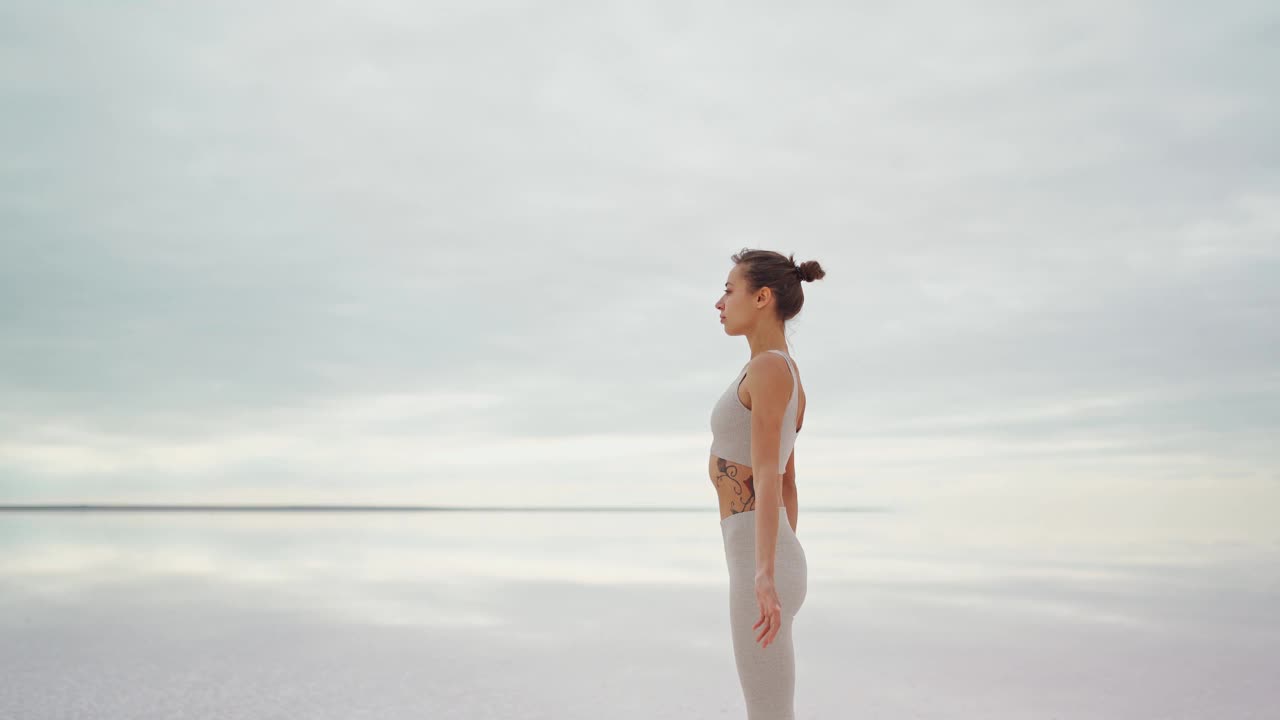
(768, 675)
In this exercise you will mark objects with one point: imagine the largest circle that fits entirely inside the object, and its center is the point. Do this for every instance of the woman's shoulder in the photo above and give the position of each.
(775, 358)
(770, 367)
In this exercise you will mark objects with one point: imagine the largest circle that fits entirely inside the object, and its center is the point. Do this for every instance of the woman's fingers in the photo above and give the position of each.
(771, 631)
(770, 610)
(772, 619)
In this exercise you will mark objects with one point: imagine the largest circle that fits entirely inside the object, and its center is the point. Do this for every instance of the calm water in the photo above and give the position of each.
(589, 615)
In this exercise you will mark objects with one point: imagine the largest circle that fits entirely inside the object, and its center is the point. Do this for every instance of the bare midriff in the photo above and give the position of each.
(735, 485)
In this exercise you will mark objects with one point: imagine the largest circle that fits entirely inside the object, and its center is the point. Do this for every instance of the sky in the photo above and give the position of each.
(469, 253)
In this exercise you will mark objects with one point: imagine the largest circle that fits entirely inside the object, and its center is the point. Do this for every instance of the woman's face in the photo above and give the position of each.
(735, 304)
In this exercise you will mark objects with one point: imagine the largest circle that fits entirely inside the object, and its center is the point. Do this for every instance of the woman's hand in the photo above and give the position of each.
(770, 609)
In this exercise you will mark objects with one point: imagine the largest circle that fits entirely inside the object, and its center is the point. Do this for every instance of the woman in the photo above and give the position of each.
(753, 427)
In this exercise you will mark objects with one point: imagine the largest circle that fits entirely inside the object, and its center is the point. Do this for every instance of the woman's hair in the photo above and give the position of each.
(779, 273)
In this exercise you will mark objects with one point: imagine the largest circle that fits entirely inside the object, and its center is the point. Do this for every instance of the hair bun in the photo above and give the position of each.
(810, 270)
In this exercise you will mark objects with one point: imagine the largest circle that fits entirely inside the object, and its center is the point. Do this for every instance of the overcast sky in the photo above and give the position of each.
(468, 253)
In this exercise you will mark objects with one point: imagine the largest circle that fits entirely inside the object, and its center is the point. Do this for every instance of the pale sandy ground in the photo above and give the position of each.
(910, 639)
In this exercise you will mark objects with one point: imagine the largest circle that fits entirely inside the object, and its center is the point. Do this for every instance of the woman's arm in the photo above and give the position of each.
(768, 383)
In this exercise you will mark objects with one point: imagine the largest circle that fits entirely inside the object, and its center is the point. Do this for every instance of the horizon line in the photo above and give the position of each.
(258, 507)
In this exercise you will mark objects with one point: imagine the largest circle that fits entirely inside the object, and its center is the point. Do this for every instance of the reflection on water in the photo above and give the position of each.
(911, 598)
(354, 563)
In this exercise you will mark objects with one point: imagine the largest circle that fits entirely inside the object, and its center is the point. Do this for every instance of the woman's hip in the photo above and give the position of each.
(790, 566)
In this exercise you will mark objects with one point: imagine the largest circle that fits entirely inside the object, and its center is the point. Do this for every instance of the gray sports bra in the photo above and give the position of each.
(731, 422)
